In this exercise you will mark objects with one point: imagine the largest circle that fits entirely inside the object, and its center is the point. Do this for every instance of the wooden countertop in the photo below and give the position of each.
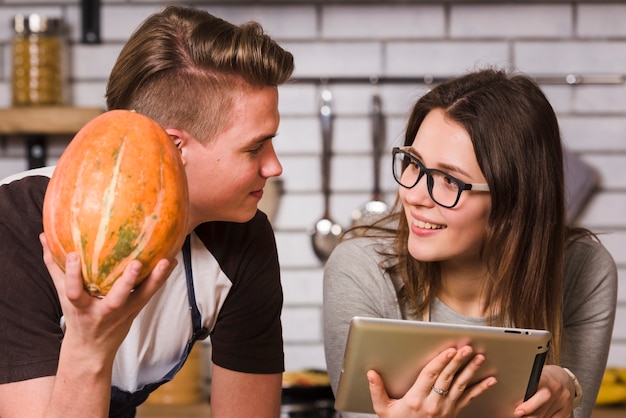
(45, 120)
(203, 410)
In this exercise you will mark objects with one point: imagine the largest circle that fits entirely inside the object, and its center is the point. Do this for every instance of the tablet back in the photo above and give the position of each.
(399, 349)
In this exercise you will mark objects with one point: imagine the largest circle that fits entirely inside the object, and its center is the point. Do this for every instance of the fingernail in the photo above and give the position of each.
(72, 258)
(136, 266)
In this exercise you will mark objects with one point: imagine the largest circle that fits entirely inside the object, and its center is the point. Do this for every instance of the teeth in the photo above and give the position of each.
(426, 225)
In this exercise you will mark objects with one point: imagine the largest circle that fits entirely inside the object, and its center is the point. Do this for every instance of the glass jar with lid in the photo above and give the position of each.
(37, 77)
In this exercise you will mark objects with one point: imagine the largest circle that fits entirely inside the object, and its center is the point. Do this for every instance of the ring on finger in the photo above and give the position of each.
(438, 391)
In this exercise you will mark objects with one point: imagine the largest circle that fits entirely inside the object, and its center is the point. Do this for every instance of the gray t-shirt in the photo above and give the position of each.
(355, 284)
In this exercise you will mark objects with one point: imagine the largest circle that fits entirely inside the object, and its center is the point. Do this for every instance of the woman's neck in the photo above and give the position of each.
(463, 289)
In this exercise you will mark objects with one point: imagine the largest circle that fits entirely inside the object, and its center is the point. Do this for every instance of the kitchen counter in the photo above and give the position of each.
(203, 410)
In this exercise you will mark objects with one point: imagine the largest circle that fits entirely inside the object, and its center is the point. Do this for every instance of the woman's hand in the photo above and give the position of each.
(99, 325)
(554, 397)
(441, 390)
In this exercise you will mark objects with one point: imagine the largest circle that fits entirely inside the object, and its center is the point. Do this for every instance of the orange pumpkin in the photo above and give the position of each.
(118, 193)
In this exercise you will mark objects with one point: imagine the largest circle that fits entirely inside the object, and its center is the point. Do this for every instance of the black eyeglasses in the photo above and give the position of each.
(444, 189)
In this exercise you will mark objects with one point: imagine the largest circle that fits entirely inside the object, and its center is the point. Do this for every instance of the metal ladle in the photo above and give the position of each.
(326, 232)
(376, 207)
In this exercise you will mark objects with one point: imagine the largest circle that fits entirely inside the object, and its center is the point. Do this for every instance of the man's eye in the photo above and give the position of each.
(256, 150)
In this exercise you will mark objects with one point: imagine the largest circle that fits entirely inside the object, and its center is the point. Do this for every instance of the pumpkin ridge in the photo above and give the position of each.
(107, 209)
(133, 247)
(74, 222)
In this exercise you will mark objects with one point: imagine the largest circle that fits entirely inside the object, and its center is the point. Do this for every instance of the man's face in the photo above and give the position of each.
(226, 176)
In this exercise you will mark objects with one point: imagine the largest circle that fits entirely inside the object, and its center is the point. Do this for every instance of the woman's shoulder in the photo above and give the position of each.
(355, 247)
(585, 246)
(588, 260)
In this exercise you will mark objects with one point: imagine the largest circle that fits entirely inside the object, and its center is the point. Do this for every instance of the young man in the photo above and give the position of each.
(213, 86)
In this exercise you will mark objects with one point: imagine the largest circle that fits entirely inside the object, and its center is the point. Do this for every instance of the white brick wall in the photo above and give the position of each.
(336, 38)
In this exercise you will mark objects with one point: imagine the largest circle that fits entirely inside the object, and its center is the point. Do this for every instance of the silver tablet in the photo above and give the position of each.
(399, 349)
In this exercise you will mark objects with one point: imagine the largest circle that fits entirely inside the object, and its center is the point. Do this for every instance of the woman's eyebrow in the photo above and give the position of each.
(448, 168)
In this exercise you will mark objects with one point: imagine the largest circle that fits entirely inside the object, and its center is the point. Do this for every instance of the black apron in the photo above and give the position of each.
(124, 404)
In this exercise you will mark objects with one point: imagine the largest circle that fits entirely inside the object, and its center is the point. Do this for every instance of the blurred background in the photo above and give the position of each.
(357, 50)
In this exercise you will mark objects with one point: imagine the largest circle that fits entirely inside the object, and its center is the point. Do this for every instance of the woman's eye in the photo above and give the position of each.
(449, 181)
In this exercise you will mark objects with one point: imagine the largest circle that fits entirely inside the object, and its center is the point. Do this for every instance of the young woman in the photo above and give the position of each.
(479, 236)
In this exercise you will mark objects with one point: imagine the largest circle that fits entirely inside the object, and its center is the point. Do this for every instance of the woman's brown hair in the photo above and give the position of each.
(183, 67)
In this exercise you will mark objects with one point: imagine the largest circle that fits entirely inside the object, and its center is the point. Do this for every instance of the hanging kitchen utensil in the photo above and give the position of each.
(376, 207)
(326, 232)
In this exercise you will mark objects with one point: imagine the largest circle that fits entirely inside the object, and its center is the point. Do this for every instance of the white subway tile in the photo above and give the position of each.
(351, 173)
(302, 287)
(295, 249)
(298, 136)
(601, 20)
(580, 56)
(297, 211)
(302, 324)
(94, 61)
(610, 168)
(89, 94)
(615, 242)
(11, 165)
(621, 287)
(617, 352)
(382, 21)
(510, 20)
(279, 21)
(605, 210)
(619, 331)
(333, 59)
(442, 58)
(304, 357)
(301, 173)
(6, 92)
(297, 99)
(600, 99)
(117, 22)
(561, 97)
(584, 133)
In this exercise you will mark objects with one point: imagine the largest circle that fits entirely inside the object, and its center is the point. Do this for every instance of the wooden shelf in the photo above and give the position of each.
(45, 120)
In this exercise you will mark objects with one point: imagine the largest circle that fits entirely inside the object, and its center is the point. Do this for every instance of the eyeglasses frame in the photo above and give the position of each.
(429, 178)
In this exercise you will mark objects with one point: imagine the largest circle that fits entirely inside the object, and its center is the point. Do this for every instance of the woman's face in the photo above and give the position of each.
(437, 233)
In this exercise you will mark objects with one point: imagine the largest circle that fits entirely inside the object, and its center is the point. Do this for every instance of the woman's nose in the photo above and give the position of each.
(418, 195)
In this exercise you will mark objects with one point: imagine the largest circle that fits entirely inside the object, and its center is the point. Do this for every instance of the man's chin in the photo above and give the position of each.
(245, 216)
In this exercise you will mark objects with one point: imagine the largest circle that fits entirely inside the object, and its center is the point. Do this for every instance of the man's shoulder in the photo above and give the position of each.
(43, 171)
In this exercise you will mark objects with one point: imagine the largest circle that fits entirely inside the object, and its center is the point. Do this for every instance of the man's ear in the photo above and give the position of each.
(180, 139)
